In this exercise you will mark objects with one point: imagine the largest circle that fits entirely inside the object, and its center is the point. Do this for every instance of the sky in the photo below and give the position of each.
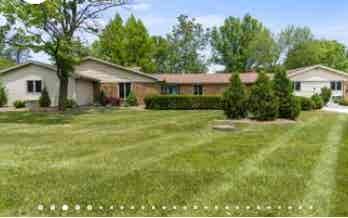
(327, 18)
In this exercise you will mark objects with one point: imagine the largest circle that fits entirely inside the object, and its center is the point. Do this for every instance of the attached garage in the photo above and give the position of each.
(84, 92)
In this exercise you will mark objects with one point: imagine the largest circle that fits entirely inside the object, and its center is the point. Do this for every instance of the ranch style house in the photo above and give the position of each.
(25, 82)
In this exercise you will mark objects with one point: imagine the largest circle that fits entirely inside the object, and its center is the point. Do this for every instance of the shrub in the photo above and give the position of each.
(183, 102)
(263, 104)
(102, 99)
(45, 100)
(326, 95)
(289, 106)
(234, 100)
(318, 102)
(3, 96)
(131, 100)
(113, 101)
(306, 103)
(19, 104)
(343, 102)
(70, 103)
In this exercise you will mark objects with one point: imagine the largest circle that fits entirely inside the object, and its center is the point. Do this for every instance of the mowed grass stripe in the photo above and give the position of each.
(248, 166)
(322, 183)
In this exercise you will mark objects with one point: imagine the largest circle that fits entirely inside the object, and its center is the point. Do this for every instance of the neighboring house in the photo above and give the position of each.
(310, 80)
(26, 81)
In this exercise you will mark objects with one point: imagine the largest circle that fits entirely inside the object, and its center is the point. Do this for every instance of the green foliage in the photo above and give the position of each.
(329, 53)
(306, 103)
(243, 44)
(5, 63)
(234, 100)
(292, 36)
(263, 103)
(326, 95)
(102, 99)
(289, 106)
(131, 100)
(45, 100)
(183, 102)
(19, 104)
(126, 44)
(343, 102)
(318, 102)
(162, 55)
(70, 104)
(186, 41)
(3, 95)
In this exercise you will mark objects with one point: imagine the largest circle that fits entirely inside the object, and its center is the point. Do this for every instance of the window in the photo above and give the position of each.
(336, 85)
(34, 86)
(297, 86)
(170, 90)
(124, 90)
(198, 90)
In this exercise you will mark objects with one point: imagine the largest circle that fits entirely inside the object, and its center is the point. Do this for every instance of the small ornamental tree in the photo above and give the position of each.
(3, 96)
(289, 106)
(318, 102)
(45, 100)
(234, 100)
(131, 100)
(263, 103)
(326, 95)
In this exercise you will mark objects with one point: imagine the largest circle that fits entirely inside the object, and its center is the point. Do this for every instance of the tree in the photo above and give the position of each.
(263, 103)
(132, 100)
(52, 27)
(238, 44)
(292, 36)
(235, 99)
(161, 54)
(289, 106)
(3, 95)
(5, 63)
(186, 42)
(126, 44)
(45, 100)
(329, 53)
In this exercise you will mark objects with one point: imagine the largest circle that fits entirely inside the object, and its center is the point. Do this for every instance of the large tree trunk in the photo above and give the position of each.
(63, 92)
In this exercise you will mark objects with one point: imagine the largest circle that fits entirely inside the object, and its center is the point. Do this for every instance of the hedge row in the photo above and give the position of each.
(183, 102)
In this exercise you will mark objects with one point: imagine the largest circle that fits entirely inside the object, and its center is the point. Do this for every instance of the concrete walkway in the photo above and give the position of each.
(332, 107)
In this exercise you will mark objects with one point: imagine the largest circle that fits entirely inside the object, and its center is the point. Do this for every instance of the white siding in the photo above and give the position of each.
(312, 81)
(15, 83)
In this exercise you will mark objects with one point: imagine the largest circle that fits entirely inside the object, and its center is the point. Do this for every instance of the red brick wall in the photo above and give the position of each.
(345, 87)
(110, 89)
(141, 90)
(208, 89)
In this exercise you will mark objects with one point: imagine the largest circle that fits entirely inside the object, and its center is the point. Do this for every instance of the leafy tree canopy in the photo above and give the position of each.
(242, 44)
(330, 53)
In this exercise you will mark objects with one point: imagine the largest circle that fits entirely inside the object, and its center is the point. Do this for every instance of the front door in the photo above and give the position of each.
(124, 90)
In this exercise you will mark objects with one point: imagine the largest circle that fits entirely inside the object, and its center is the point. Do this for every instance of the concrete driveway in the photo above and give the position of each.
(332, 107)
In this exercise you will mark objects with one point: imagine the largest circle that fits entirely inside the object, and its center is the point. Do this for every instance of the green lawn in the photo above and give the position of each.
(171, 158)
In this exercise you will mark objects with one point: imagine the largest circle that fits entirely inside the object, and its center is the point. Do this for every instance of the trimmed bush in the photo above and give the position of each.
(131, 100)
(3, 96)
(343, 102)
(234, 100)
(183, 102)
(70, 103)
(263, 104)
(102, 99)
(112, 101)
(326, 95)
(318, 102)
(289, 106)
(19, 104)
(45, 100)
(306, 103)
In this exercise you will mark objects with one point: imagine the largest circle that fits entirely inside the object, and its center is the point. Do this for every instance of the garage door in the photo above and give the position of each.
(84, 92)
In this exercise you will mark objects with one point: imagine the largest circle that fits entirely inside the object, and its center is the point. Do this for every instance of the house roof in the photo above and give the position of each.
(35, 63)
(218, 78)
(297, 71)
(130, 70)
